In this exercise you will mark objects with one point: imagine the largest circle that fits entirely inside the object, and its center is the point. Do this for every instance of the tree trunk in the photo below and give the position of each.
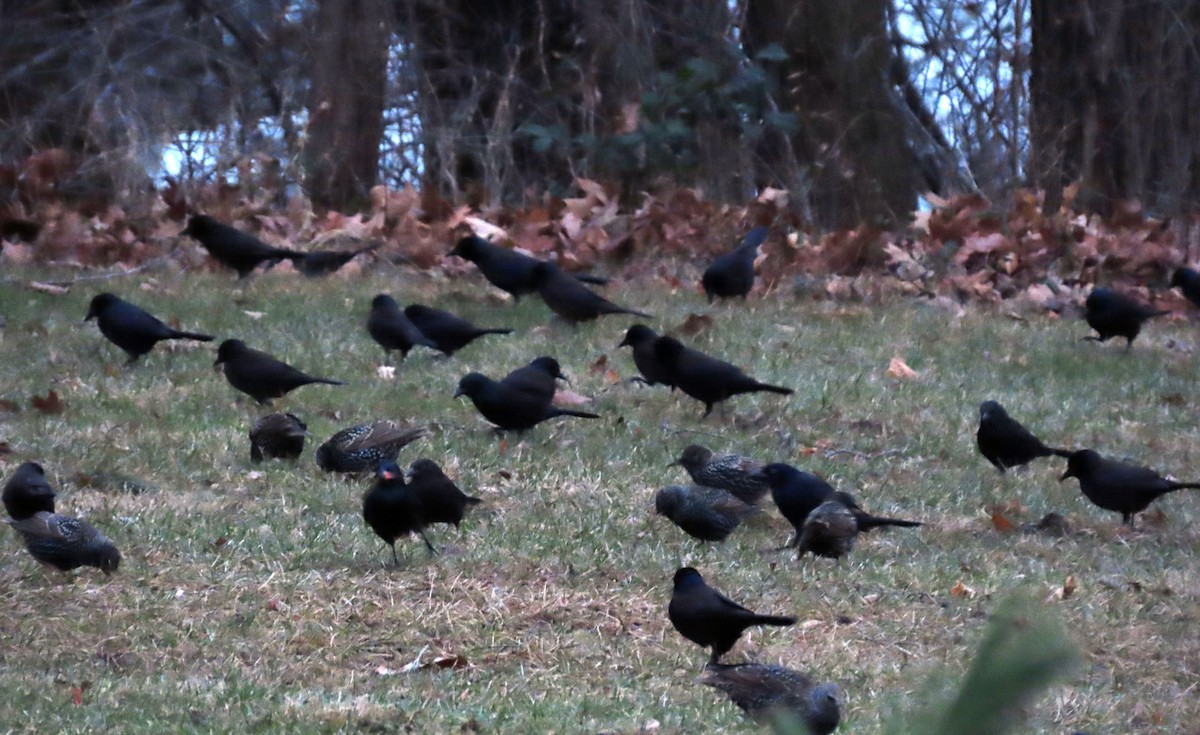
(1114, 94)
(851, 143)
(345, 108)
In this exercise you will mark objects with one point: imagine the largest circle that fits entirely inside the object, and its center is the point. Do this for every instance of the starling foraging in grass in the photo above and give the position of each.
(319, 263)
(392, 509)
(795, 493)
(1188, 282)
(708, 618)
(732, 274)
(570, 299)
(831, 529)
(507, 270)
(448, 332)
(131, 328)
(770, 694)
(1005, 442)
(277, 436)
(27, 492)
(537, 378)
(233, 248)
(441, 500)
(259, 375)
(1123, 488)
(733, 472)
(706, 378)
(642, 338)
(705, 513)
(361, 448)
(392, 330)
(509, 408)
(1114, 314)
(66, 543)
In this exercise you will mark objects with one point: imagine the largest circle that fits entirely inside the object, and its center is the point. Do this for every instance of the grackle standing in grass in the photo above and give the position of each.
(509, 408)
(1123, 488)
(132, 328)
(233, 248)
(506, 269)
(392, 508)
(706, 378)
(392, 330)
(1187, 281)
(732, 274)
(259, 375)
(538, 378)
(642, 338)
(449, 332)
(1114, 314)
(708, 618)
(1005, 442)
(441, 500)
(570, 299)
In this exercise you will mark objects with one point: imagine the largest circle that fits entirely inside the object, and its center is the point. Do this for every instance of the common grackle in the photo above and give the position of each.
(27, 492)
(705, 513)
(392, 330)
(795, 493)
(1005, 442)
(1123, 488)
(131, 328)
(1114, 314)
(259, 375)
(66, 543)
(233, 248)
(506, 269)
(708, 618)
(449, 332)
(441, 500)
(509, 408)
(642, 338)
(361, 448)
(733, 472)
(570, 299)
(732, 274)
(1187, 281)
(277, 436)
(770, 694)
(537, 378)
(392, 509)
(706, 378)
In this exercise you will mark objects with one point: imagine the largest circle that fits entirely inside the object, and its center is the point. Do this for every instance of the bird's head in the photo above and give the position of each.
(100, 302)
(389, 471)
(416, 311)
(776, 474)
(1080, 463)
(541, 273)
(471, 385)
(687, 577)
(106, 557)
(383, 301)
(989, 410)
(469, 248)
(549, 366)
(197, 225)
(824, 707)
(229, 349)
(423, 468)
(667, 499)
(694, 457)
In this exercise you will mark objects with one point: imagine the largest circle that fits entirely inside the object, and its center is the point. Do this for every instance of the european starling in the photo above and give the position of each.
(66, 543)
(1187, 281)
(259, 375)
(1005, 442)
(391, 330)
(708, 618)
(831, 529)
(733, 472)
(233, 248)
(1117, 486)
(570, 299)
(392, 509)
(131, 328)
(768, 694)
(537, 378)
(705, 513)
(732, 274)
(448, 332)
(1114, 314)
(706, 378)
(27, 492)
(363, 447)
(642, 338)
(441, 500)
(507, 270)
(509, 408)
(277, 436)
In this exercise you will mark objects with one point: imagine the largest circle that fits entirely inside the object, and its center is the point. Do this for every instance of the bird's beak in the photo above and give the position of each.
(676, 463)
(564, 378)
(1065, 475)
(387, 475)
(458, 392)
(624, 343)
(408, 474)
(90, 315)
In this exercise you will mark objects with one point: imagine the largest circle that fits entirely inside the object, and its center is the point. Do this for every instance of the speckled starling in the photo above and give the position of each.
(768, 694)
(277, 436)
(66, 543)
(733, 472)
(361, 448)
(705, 513)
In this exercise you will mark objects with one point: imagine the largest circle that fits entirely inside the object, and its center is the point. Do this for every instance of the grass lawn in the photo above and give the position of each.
(254, 599)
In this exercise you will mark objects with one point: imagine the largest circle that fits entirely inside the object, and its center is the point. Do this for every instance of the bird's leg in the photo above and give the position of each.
(395, 559)
(1090, 338)
(432, 551)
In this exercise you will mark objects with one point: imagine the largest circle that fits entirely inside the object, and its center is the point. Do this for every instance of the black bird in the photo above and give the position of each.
(733, 472)
(233, 248)
(708, 618)
(1114, 314)
(831, 529)
(1187, 281)
(277, 436)
(769, 694)
(392, 330)
(732, 274)
(441, 500)
(317, 263)
(537, 378)
(392, 509)
(706, 378)
(1117, 486)
(66, 543)
(642, 338)
(1005, 442)
(705, 513)
(448, 332)
(509, 408)
(259, 375)
(361, 448)
(570, 299)
(27, 492)
(132, 328)
(795, 493)
(507, 270)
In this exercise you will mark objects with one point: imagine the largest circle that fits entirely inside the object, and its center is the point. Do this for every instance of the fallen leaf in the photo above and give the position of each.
(385, 372)
(450, 661)
(694, 324)
(9, 406)
(50, 403)
(503, 447)
(612, 377)
(599, 366)
(50, 288)
(1001, 523)
(1068, 587)
(961, 590)
(898, 368)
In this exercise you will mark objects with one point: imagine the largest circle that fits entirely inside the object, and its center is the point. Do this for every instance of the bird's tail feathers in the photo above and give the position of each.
(868, 522)
(756, 386)
(780, 620)
(192, 335)
(1184, 486)
(328, 381)
(496, 331)
(577, 414)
